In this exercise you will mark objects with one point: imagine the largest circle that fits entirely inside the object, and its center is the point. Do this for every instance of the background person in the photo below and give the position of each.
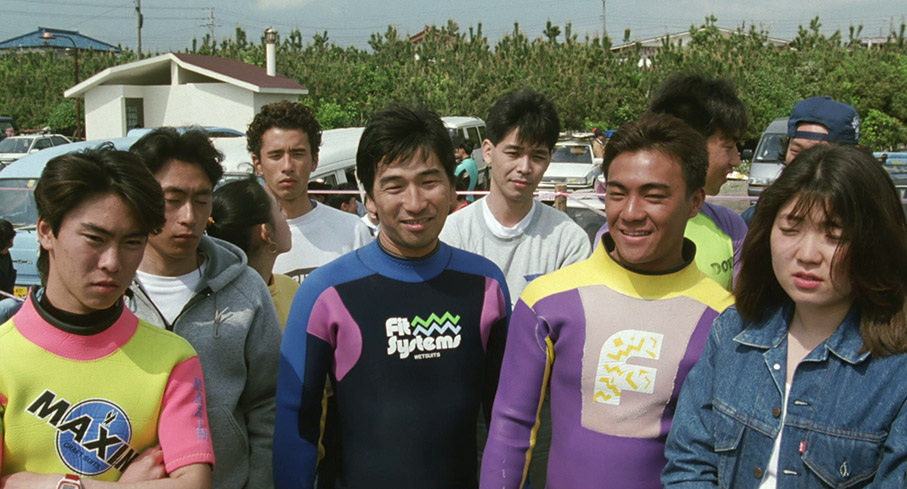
(200, 288)
(801, 383)
(245, 214)
(345, 202)
(522, 236)
(7, 271)
(466, 170)
(85, 386)
(284, 139)
(817, 120)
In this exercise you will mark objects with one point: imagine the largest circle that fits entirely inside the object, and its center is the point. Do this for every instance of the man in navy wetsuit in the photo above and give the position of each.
(409, 331)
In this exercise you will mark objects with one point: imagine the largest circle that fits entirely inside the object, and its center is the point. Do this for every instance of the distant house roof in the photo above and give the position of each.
(191, 68)
(33, 40)
(653, 43)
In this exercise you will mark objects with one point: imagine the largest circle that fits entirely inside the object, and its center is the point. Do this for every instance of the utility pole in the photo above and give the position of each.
(604, 22)
(138, 25)
(210, 24)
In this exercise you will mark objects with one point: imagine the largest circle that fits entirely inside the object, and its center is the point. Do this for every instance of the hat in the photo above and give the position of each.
(842, 120)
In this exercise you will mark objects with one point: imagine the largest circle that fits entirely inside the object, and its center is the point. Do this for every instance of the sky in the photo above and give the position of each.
(170, 25)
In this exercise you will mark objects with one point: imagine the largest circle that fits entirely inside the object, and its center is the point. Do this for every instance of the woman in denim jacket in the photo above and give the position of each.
(802, 383)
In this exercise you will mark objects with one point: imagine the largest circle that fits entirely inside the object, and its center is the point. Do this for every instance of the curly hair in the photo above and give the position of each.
(284, 115)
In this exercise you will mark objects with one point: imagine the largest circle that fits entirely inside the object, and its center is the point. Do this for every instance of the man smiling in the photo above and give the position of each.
(409, 331)
(614, 335)
(712, 108)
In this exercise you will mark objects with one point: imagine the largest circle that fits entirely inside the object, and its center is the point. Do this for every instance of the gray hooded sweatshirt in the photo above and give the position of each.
(232, 324)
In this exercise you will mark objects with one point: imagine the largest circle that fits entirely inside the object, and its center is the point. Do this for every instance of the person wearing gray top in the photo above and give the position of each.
(202, 289)
(523, 237)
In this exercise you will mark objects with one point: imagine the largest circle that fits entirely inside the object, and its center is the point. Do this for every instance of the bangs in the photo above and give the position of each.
(809, 200)
(405, 150)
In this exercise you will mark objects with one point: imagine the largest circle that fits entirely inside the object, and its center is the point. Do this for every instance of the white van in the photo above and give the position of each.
(471, 128)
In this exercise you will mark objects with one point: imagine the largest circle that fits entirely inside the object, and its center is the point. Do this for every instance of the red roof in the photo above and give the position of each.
(240, 71)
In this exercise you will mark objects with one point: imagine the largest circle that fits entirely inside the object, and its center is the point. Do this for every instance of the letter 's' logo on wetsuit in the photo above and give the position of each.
(427, 336)
(615, 375)
(92, 436)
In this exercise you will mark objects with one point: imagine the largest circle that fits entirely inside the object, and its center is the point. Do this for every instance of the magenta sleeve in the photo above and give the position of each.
(183, 428)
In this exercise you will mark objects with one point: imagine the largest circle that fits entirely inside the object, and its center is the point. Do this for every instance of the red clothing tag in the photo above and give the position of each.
(802, 446)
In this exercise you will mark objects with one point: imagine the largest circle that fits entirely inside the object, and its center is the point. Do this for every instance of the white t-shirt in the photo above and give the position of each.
(170, 294)
(320, 236)
(501, 230)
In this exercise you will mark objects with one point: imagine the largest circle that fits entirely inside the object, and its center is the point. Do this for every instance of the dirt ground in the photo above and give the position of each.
(733, 188)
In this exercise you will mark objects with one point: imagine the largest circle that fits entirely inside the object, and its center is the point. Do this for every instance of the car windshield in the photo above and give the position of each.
(572, 154)
(15, 145)
(17, 201)
(770, 148)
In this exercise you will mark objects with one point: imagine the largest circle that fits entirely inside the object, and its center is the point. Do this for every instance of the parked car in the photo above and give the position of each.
(15, 147)
(768, 160)
(572, 164)
(471, 128)
(896, 164)
(17, 201)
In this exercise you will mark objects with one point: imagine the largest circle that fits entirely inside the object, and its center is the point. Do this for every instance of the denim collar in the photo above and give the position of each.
(845, 343)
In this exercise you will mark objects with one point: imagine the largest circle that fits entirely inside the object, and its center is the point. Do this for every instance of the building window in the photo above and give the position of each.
(135, 113)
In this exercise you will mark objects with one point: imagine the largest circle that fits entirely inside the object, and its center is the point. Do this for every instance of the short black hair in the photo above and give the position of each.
(7, 232)
(336, 200)
(191, 146)
(708, 105)
(399, 132)
(530, 113)
(70, 179)
(667, 135)
(466, 144)
(236, 208)
(284, 114)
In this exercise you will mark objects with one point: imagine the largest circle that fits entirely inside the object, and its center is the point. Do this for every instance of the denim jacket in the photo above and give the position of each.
(846, 425)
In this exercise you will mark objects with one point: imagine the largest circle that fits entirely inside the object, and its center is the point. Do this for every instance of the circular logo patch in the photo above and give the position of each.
(93, 436)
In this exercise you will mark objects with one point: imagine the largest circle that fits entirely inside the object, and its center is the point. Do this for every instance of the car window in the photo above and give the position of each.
(43, 143)
(330, 179)
(572, 154)
(481, 130)
(770, 148)
(351, 175)
(57, 140)
(15, 145)
(17, 201)
(474, 136)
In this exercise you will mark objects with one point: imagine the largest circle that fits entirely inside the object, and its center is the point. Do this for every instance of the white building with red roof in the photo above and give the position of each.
(176, 89)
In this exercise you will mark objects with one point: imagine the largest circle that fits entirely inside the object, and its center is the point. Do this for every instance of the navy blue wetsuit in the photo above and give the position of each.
(413, 349)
